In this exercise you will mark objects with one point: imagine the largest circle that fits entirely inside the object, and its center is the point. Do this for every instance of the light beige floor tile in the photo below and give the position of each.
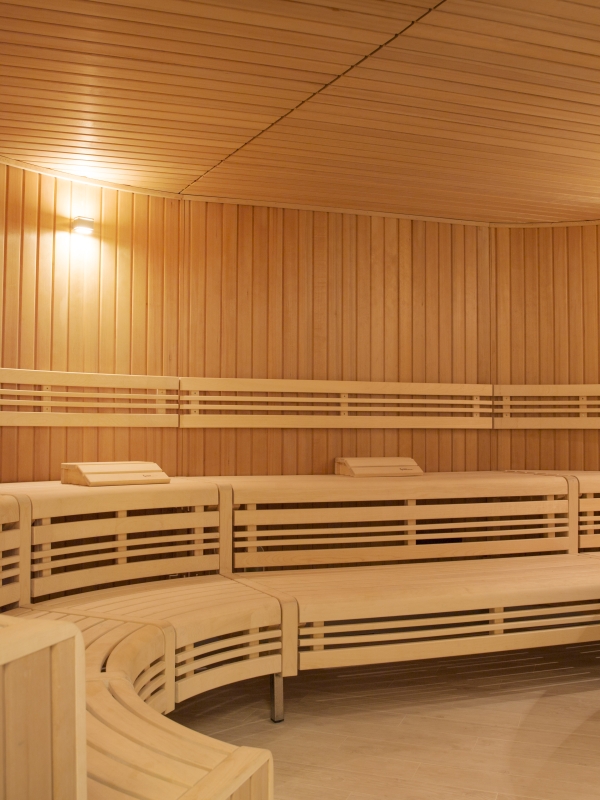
(514, 726)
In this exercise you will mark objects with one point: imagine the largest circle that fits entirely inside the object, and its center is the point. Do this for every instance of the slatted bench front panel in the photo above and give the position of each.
(89, 538)
(229, 633)
(10, 552)
(447, 517)
(589, 510)
(81, 399)
(269, 403)
(346, 642)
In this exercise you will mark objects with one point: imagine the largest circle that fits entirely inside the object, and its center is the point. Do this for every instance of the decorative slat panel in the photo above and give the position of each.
(69, 399)
(343, 521)
(549, 407)
(253, 403)
(85, 538)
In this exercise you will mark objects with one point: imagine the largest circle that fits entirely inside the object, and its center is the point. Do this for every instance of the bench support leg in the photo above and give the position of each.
(276, 698)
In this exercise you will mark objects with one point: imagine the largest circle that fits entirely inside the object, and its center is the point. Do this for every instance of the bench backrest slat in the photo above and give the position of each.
(329, 521)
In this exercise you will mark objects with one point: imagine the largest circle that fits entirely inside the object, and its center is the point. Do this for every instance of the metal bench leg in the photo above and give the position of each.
(276, 698)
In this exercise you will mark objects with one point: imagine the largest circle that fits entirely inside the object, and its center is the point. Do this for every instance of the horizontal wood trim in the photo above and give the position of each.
(261, 422)
(361, 555)
(25, 419)
(330, 406)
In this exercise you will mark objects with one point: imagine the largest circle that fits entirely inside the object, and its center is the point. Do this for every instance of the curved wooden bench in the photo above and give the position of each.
(133, 751)
(84, 537)
(316, 572)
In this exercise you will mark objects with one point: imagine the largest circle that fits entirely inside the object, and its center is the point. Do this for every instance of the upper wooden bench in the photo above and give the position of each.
(84, 537)
(495, 562)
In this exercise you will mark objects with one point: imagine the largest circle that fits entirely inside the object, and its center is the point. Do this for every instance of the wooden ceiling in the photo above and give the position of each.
(467, 109)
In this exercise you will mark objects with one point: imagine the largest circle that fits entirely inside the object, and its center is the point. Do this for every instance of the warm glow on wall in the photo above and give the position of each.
(84, 225)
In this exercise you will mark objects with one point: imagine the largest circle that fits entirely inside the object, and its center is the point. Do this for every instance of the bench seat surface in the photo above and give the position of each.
(197, 608)
(341, 488)
(433, 587)
(403, 612)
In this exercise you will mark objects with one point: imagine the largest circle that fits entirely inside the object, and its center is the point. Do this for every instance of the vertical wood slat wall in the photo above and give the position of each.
(547, 331)
(170, 287)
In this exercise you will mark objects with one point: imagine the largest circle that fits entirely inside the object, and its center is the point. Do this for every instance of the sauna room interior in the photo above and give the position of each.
(300, 400)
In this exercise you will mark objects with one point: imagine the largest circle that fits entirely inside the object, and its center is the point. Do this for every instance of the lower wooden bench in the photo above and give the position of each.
(134, 751)
(370, 615)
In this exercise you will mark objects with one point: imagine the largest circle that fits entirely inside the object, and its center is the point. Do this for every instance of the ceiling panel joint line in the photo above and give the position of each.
(314, 94)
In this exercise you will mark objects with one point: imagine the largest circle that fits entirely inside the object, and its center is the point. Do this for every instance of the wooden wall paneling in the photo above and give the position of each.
(10, 316)
(532, 327)
(363, 318)
(591, 330)
(213, 309)
(348, 317)
(377, 355)
(305, 325)
(320, 327)
(390, 329)
(334, 317)
(194, 443)
(419, 325)
(260, 302)
(229, 322)
(107, 339)
(546, 372)
(243, 330)
(485, 306)
(576, 340)
(405, 318)
(315, 294)
(290, 326)
(275, 328)
(123, 255)
(445, 340)
(432, 330)
(458, 333)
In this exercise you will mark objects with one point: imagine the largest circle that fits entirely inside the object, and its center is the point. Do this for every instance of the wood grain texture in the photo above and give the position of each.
(42, 710)
(170, 92)
(463, 109)
(193, 289)
(180, 287)
(548, 329)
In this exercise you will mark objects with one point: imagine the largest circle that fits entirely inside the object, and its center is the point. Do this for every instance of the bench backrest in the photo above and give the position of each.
(296, 522)
(85, 538)
(12, 550)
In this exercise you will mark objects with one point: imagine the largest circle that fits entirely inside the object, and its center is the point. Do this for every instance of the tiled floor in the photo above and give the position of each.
(499, 727)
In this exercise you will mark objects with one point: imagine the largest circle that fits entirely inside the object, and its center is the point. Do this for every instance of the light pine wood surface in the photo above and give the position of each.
(462, 109)
(131, 749)
(42, 710)
(171, 288)
(150, 646)
(85, 536)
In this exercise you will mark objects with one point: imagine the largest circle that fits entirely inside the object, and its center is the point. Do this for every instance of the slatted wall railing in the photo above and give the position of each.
(547, 406)
(81, 399)
(70, 399)
(268, 403)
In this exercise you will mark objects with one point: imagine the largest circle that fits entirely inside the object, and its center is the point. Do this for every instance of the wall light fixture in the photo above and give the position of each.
(83, 225)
